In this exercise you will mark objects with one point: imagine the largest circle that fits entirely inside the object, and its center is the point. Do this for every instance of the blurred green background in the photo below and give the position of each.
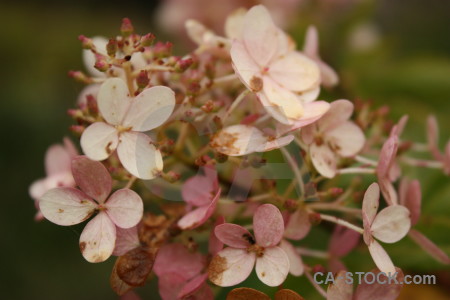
(394, 52)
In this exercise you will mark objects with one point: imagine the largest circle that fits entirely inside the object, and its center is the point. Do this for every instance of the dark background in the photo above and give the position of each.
(407, 66)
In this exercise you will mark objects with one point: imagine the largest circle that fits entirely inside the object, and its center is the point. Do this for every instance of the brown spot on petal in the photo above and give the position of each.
(108, 148)
(256, 84)
(263, 274)
(217, 266)
(118, 285)
(224, 142)
(60, 210)
(82, 246)
(134, 267)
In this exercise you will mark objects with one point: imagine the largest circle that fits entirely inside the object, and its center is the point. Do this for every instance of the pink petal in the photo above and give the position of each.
(199, 216)
(234, 235)
(280, 98)
(125, 208)
(391, 224)
(275, 143)
(311, 47)
(388, 191)
(342, 241)
(378, 290)
(214, 244)
(231, 266)
(92, 178)
(177, 259)
(309, 96)
(324, 160)
(273, 267)
(98, 238)
(70, 147)
(139, 156)
(295, 72)
(339, 112)
(66, 206)
(260, 35)
(126, 240)
(335, 265)
(99, 140)
(57, 160)
(296, 267)
(348, 137)
(413, 199)
(328, 75)
(381, 258)
(268, 225)
(371, 202)
(150, 109)
(193, 286)
(170, 285)
(39, 187)
(340, 290)
(387, 156)
(433, 137)
(199, 190)
(244, 65)
(312, 112)
(307, 133)
(113, 100)
(298, 225)
(429, 246)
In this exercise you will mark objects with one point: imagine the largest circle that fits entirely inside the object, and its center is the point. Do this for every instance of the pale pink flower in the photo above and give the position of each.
(58, 170)
(201, 192)
(410, 196)
(333, 136)
(180, 273)
(69, 206)
(329, 76)
(126, 239)
(433, 144)
(389, 225)
(126, 118)
(234, 264)
(297, 226)
(389, 290)
(238, 140)
(284, 80)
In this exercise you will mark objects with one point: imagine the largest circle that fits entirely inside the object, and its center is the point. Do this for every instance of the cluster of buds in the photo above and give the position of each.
(199, 140)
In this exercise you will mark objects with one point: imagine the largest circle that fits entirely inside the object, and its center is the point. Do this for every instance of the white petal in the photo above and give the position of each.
(139, 156)
(66, 206)
(125, 208)
(391, 224)
(282, 99)
(273, 267)
(381, 258)
(231, 266)
(260, 35)
(347, 138)
(113, 100)
(295, 72)
(98, 238)
(244, 65)
(296, 267)
(340, 111)
(312, 112)
(324, 160)
(371, 202)
(309, 95)
(99, 140)
(150, 109)
(234, 23)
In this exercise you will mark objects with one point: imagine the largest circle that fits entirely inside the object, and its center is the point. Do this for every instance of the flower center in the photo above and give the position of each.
(257, 249)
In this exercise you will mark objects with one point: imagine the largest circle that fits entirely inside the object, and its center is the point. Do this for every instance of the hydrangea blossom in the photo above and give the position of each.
(126, 118)
(58, 170)
(69, 206)
(332, 137)
(233, 265)
(389, 225)
(283, 79)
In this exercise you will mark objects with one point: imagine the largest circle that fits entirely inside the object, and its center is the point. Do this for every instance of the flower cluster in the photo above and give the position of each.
(185, 136)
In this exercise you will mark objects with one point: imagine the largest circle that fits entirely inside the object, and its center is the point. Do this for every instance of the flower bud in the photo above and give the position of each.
(77, 129)
(183, 64)
(171, 176)
(147, 40)
(111, 47)
(142, 79)
(127, 28)
(79, 76)
(100, 63)
(92, 104)
(86, 42)
(162, 50)
(314, 218)
(208, 106)
(220, 157)
(257, 162)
